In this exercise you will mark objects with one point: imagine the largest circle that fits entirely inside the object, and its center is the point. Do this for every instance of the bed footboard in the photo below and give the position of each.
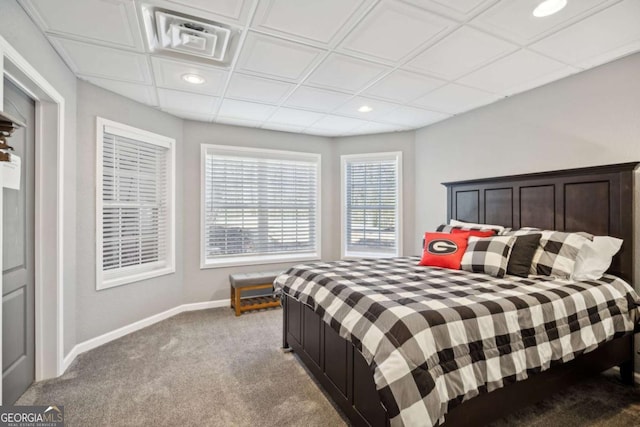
(344, 374)
(333, 361)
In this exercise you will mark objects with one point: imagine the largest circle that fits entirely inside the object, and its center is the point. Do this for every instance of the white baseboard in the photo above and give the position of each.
(136, 326)
(205, 305)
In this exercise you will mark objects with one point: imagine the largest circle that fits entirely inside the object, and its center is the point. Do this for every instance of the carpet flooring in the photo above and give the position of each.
(209, 368)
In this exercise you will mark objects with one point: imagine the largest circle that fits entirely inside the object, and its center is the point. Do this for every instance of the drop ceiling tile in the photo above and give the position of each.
(600, 38)
(380, 108)
(337, 124)
(519, 71)
(460, 53)
(342, 72)
(251, 88)
(461, 10)
(413, 117)
(238, 122)
(168, 74)
(352, 132)
(98, 61)
(226, 11)
(375, 127)
(454, 99)
(242, 110)
(277, 58)
(189, 115)
(316, 99)
(186, 101)
(296, 118)
(546, 78)
(403, 86)
(282, 128)
(140, 93)
(394, 30)
(316, 22)
(515, 21)
(112, 23)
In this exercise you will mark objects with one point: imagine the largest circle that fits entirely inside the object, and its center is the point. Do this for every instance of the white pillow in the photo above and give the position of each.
(457, 223)
(595, 257)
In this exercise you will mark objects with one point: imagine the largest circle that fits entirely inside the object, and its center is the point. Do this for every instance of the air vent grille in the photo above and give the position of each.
(181, 34)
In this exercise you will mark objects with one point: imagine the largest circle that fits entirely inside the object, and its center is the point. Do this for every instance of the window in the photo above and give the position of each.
(135, 203)
(259, 206)
(371, 205)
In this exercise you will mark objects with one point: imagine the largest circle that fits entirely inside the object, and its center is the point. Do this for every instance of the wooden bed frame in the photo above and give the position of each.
(598, 200)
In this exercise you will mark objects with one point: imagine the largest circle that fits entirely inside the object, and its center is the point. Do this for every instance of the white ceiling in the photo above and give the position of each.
(308, 65)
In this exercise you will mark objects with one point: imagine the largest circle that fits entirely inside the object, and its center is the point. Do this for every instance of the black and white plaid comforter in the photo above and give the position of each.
(437, 337)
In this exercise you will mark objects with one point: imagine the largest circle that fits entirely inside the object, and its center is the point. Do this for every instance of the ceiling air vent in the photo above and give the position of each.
(181, 36)
(192, 37)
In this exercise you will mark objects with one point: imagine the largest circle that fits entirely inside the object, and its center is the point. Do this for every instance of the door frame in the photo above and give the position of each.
(49, 209)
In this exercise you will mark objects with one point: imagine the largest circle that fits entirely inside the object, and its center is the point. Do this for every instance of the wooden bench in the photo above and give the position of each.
(242, 282)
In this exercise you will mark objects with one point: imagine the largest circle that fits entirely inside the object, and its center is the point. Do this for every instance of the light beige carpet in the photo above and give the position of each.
(210, 368)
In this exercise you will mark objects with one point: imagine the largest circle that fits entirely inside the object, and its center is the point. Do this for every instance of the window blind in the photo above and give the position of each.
(257, 205)
(371, 205)
(135, 206)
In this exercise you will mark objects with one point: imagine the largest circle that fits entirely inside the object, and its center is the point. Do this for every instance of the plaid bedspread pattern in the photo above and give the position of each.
(436, 337)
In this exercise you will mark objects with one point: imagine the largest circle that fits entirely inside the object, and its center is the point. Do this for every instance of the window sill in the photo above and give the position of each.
(137, 277)
(257, 260)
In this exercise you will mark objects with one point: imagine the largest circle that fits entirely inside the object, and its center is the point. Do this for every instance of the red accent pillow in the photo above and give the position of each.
(474, 233)
(444, 249)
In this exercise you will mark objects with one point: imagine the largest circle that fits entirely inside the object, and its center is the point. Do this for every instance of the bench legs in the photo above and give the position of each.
(237, 303)
(255, 303)
(235, 300)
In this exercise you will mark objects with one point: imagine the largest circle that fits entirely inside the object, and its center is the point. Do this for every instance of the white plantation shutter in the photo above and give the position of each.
(259, 205)
(371, 204)
(136, 207)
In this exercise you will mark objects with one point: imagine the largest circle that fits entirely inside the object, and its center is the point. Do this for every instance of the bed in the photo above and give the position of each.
(597, 200)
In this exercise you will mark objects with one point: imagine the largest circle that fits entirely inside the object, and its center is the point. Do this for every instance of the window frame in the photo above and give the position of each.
(346, 158)
(257, 259)
(135, 273)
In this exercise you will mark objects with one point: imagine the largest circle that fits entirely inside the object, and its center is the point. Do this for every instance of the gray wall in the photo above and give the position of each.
(109, 309)
(213, 283)
(18, 29)
(105, 310)
(591, 118)
(380, 143)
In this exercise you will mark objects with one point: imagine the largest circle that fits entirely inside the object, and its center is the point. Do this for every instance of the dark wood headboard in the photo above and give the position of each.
(598, 200)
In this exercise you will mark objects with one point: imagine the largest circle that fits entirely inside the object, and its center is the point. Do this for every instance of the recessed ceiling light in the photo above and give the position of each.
(194, 79)
(549, 7)
(365, 109)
